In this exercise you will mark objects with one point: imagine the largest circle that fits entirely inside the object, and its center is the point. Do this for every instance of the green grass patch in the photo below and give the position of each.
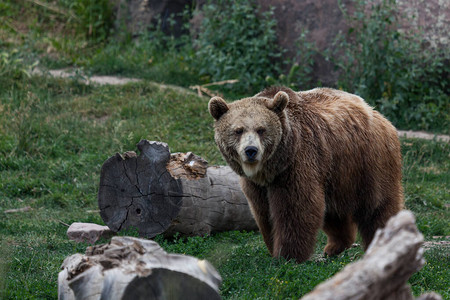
(426, 171)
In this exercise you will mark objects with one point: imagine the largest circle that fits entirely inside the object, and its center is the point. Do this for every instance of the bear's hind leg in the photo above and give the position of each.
(341, 233)
(368, 224)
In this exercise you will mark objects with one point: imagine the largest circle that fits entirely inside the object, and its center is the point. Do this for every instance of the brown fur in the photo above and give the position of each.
(327, 160)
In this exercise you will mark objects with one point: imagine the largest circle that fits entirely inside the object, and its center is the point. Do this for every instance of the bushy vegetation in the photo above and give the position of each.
(236, 41)
(389, 67)
(91, 18)
(56, 133)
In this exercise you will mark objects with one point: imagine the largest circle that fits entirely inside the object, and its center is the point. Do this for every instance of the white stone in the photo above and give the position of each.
(87, 232)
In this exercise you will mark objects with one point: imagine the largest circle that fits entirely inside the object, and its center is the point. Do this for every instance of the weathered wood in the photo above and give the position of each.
(393, 256)
(132, 268)
(157, 192)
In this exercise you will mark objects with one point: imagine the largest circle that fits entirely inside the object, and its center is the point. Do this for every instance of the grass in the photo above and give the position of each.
(54, 136)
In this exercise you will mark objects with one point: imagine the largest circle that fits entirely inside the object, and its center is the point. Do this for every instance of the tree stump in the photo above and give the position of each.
(382, 274)
(132, 268)
(157, 192)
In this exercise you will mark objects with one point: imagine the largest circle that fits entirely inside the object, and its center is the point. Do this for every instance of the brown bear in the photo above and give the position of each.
(321, 158)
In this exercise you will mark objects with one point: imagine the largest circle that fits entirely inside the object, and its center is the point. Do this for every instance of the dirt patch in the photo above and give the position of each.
(439, 244)
(423, 135)
(103, 80)
(113, 80)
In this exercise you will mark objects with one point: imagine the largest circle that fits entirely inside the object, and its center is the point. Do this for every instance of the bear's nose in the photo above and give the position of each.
(251, 152)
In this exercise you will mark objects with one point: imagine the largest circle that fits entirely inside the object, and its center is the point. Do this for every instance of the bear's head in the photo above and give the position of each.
(248, 131)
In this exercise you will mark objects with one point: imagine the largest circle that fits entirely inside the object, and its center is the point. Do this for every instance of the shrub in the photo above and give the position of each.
(237, 41)
(300, 66)
(94, 18)
(13, 67)
(391, 70)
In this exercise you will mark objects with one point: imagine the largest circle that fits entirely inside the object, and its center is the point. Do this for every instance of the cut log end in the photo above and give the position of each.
(138, 192)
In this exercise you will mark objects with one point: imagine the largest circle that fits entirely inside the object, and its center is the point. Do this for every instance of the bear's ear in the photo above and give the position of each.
(279, 102)
(217, 107)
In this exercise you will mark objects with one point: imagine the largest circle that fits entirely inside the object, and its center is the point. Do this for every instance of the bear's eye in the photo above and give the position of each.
(239, 131)
(260, 131)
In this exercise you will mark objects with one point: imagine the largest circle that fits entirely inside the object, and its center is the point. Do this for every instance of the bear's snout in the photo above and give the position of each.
(251, 152)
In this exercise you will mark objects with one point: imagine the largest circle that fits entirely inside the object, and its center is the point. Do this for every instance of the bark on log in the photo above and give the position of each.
(393, 256)
(157, 192)
(132, 268)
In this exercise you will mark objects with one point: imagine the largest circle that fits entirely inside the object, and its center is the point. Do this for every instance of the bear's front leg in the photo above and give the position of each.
(297, 209)
(259, 205)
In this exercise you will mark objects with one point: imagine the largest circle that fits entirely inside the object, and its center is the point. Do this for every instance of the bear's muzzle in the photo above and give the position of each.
(251, 152)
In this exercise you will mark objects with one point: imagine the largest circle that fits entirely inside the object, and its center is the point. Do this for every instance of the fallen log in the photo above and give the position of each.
(393, 256)
(132, 268)
(158, 192)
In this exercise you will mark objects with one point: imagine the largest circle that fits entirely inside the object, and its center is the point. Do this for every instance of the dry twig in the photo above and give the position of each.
(202, 88)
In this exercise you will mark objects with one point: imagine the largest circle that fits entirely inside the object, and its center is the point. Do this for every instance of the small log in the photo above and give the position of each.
(157, 192)
(393, 256)
(132, 268)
